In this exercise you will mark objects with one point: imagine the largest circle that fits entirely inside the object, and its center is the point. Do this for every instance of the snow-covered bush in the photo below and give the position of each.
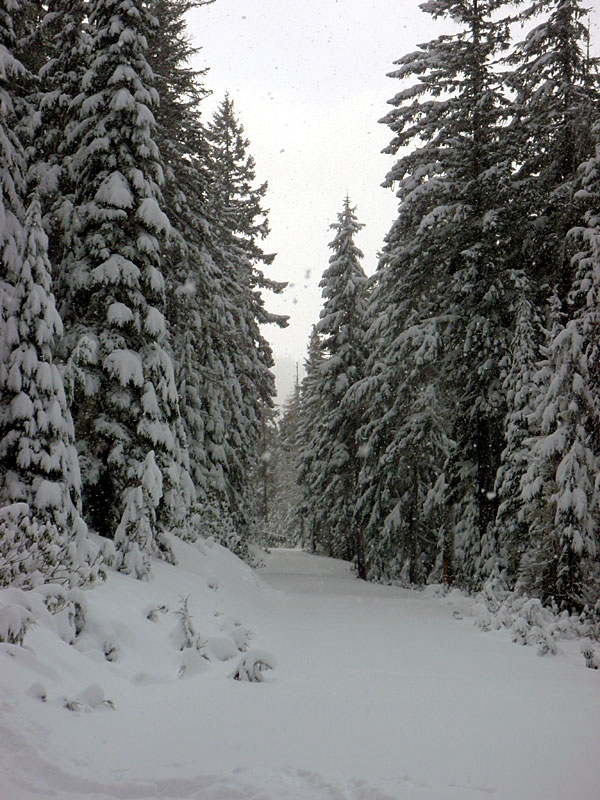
(189, 642)
(589, 619)
(111, 648)
(33, 552)
(58, 608)
(591, 659)
(252, 666)
(151, 612)
(185, 636)
(38, 692)
(93, 696)
(529, 621)
(222, 647)
(68, 607)
(15, 621)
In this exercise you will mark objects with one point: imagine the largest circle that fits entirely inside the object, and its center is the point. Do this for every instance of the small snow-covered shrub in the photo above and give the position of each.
(34, 552)
(192, 662)
(53, 606)
(15, 621)
(589, 655)
(252, 666)
(589, 620)
(151, 612)
(484, 619)
(93, 697)
(72, 704)
(532, 626)
(111, 649)
(68, 607)
(184, 636)
(187, 640)
(88, 699)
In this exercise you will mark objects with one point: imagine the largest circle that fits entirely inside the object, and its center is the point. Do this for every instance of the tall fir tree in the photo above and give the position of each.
(45, 537)
(197, 301)
(65, 37)
(558, 488)
(127, 407)
(238, 222)
(12, 163)
(314, 534)
(511, 529)
(287, 520)
(337, 461)
(556, 99)
(446, 285)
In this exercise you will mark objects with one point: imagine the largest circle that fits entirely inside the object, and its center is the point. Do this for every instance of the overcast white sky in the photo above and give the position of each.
(308, 79)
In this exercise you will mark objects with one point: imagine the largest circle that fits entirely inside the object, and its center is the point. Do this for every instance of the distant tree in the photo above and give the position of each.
(266, 480)
(285, 522)
(335, 461)
(314, 534)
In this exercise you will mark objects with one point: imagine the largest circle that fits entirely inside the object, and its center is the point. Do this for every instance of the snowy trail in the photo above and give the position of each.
(428, 701)
(379, 694)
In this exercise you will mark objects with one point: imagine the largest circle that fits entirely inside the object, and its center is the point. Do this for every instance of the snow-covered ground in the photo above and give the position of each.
(378, 693)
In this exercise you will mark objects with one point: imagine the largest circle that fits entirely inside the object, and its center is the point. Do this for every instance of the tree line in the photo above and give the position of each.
(448, 427)
(134, 373)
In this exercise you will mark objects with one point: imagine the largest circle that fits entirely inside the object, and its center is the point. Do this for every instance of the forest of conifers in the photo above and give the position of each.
(448, 426)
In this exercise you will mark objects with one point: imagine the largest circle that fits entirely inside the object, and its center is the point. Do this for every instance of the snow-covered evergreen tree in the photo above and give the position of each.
(128, 405)
(287, 518)
(238, 223)
(446, 286)
(12, 167)
(311, 511)
(197, 304)
(333, 482)
(585, 237)
(558, 488)
(511, 530)
(43, 535)
(556, 99)
(66, 38)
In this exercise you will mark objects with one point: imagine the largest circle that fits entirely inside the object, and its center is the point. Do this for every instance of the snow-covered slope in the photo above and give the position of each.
(378, 693)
